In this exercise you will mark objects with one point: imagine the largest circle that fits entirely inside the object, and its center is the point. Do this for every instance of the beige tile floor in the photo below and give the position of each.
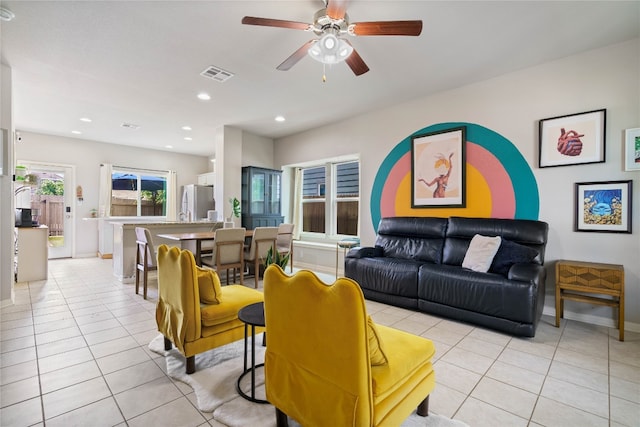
(74, 352)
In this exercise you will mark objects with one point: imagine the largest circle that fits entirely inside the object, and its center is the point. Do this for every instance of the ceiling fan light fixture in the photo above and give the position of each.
(330, 50)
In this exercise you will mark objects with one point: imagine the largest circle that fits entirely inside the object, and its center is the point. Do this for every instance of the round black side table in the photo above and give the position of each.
(252, 315)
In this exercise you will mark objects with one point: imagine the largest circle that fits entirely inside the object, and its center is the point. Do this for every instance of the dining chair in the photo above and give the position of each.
(284, 242)
(227, 252)
(207, 246)
(263, 239)
(145, 258)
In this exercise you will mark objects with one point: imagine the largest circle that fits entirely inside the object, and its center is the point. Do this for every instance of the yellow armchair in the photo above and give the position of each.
(187, 322)
(318, 361)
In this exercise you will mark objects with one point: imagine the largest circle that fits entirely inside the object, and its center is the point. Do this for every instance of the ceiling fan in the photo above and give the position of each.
(330, 24)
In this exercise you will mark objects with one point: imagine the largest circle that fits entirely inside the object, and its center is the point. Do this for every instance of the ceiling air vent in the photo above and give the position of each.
(130, 126)
(217, 74)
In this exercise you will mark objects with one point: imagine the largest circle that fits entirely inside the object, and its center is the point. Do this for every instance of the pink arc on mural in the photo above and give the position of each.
(503, 197)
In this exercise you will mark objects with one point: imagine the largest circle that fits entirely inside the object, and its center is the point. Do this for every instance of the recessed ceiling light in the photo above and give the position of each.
(168, 146)
(76, 132)
(188, 138)
(186, 127)
(85, 119)
(280, 119)
(204, 96)
(6, 14)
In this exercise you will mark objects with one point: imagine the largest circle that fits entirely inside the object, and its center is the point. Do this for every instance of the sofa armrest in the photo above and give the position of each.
(366, 252)
(522, 272)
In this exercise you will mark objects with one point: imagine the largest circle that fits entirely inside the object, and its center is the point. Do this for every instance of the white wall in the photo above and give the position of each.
(228, 163)
(87, 156)
(7, 218)
(512, 105)
(234, 149)
(257, 151)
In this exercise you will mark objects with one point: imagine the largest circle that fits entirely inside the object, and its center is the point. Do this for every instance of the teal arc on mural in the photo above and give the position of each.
(496, 148)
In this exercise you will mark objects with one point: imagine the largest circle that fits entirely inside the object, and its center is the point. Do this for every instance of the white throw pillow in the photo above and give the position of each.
(480, 254)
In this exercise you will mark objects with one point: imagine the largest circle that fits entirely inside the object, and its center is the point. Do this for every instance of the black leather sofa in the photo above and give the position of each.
(417, 264)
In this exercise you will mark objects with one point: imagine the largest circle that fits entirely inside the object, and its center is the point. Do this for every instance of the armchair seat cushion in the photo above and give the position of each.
(407, 354)
(208, 331)
(234, 297)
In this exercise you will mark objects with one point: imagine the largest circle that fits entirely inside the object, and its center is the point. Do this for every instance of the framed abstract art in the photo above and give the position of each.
(573, 139)
(438, 169)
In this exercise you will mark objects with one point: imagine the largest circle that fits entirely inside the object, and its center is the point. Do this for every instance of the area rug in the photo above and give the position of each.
(214, 385)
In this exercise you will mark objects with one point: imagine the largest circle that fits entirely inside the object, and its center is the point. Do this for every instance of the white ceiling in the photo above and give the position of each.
(139, 61)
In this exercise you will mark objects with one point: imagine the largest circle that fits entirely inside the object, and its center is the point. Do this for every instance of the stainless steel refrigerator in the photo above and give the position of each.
(197, 200)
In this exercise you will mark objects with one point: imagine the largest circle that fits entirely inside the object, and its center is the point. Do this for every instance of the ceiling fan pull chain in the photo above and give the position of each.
(324, 73)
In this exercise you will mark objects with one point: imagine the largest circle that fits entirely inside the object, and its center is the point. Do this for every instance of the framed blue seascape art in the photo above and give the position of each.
(603, 206)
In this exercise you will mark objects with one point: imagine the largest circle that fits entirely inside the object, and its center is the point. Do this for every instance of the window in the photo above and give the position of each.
(330, 199)
(313, 200)
(138, 193)
(347, 198)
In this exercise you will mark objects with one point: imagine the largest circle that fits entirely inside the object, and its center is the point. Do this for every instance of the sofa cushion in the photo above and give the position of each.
(393, 276)
(419, 239)
(209, 287)
(460, 231)
(481, 252)
(511, 253)
(486, 293)
(376, 348)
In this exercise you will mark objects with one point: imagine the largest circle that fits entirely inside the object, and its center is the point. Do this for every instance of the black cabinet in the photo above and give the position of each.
(261, 193)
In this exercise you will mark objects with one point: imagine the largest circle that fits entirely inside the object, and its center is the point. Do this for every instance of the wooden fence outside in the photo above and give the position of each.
(129, 207)
(50, 213)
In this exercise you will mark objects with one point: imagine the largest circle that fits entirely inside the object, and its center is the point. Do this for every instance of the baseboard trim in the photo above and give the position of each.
(87, 255)
(595, 320)
(323, 246)
(314, 267)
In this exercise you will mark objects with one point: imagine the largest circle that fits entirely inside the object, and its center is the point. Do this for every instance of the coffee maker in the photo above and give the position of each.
(24, 217)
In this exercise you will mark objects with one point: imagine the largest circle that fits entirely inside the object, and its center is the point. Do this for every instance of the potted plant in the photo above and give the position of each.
(235, 212)
(274, 257)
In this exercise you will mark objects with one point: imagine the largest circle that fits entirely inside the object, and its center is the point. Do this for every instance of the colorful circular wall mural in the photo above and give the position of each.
(500, 183)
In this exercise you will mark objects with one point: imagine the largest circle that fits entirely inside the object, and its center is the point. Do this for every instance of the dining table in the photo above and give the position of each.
(186, 240)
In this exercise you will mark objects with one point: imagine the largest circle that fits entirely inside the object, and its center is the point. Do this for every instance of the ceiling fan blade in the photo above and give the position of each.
(387, 28)
(336, 9)
(296, 56)
(268, 22)
(355, 62)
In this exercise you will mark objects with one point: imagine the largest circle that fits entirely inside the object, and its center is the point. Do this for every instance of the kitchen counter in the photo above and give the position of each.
(32, 253)
(124, 240)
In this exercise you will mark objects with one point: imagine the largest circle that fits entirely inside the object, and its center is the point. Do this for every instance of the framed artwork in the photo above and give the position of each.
(575, 139)
(632, 149)
(604, 206)
(438, 169)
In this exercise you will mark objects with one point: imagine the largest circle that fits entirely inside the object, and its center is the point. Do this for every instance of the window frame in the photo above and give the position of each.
(331, 201)
(139, 173)
(336, 200)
